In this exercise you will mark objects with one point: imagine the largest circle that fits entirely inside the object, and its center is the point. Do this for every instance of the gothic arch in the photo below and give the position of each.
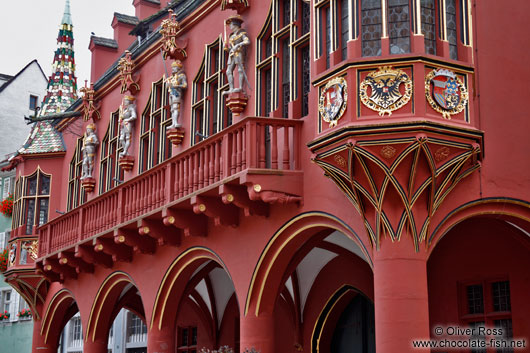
(171, 290)
(61, 308)
(105, 301)
(508, 209)
(280, 248)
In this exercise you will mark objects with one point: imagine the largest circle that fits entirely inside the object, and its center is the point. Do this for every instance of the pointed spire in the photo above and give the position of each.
(62, 84)
(67, 18)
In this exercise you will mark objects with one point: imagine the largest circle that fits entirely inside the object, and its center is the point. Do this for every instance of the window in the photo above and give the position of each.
(371, 27)
(4, 238)
(76, 194)
(283, 60)
(136, 329)
(209, 111)
(187, 340)
(399, 26)
(154, 146)
(33, 102)
(32, 195)
(6, 187)
(6, 297)
(428, 25)
(110, 173)
(488, 304)
(75, 333)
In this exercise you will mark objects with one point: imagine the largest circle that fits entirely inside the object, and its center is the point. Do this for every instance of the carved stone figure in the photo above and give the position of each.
(237, 50)
(90, 142)
(127, 118)
(176, 84)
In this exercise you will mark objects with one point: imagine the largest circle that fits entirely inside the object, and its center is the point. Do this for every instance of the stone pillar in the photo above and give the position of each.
(160, 341)
(401, 296)
(98, 346)
(38, 345)
(257, 332)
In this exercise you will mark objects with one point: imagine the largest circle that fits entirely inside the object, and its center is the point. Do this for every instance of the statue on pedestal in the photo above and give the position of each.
(237, 44)
(127, 116)
(90, 142)
(176, 84)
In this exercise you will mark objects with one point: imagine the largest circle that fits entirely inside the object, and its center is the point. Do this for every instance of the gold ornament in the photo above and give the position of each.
(333, 101)
(445, 92)
(385, 84)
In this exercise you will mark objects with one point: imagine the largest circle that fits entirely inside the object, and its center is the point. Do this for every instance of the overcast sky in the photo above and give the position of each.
(29, 31)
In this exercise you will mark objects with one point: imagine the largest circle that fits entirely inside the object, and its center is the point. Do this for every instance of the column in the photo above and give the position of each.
(401, 296)
(257, 332)
(160, 341)
(38, 345)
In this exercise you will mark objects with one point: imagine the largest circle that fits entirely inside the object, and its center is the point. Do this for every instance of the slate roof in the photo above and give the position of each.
(105, 42)
(43, 139)
(131, 20)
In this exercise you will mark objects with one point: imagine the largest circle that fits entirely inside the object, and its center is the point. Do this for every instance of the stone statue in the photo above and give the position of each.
(90, 142)
(127, 118)
(237, 50)
(176, 83)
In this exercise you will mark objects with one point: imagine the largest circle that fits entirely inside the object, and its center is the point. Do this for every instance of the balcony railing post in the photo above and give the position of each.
(121, 204)
(226, 157)
(251, 144)
(81, 222)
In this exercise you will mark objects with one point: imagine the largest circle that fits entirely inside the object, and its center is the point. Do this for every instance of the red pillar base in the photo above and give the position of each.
(39, 345)
(257, 333)
(160, 341)
(95, 347)
(401, 297)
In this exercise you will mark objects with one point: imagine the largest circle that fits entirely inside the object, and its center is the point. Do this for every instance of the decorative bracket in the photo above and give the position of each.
(171, 46)
(238, 5)
(90, 108)
(126, 68)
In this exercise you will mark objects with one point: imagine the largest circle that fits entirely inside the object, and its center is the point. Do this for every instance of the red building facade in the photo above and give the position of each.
(369, 186)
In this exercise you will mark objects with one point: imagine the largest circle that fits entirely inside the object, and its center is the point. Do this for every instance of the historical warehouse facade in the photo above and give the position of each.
(284, 176)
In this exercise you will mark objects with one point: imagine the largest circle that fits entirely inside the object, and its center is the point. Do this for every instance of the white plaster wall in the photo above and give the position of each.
(14, 105)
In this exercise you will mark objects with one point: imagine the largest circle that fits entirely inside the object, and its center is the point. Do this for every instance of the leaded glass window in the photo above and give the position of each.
(450, 13)
(399, 26)
(428, 25)
(371, 21)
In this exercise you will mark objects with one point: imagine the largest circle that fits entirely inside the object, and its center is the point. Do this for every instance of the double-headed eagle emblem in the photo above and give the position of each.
(382, 90)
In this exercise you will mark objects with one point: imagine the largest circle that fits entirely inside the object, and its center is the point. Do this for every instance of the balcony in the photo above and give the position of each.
(246, 167)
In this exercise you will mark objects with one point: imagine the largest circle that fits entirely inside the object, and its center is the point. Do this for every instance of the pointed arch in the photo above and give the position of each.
(510, 209)
(173, 284)
(290, 236)
(107, 296)
(57, 311)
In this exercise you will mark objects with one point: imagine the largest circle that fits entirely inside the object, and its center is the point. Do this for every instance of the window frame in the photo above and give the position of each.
(110, 171)
(154, 148)
(21, 200)
(76, 194)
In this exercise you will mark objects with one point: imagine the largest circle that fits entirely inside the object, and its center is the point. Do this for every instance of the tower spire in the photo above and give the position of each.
(62, 84)
(67, 18)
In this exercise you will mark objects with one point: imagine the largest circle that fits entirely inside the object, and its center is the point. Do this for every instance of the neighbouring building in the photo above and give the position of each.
(19, 98)
(283, 176)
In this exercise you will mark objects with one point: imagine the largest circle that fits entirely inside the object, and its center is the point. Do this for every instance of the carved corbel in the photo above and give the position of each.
(88, 254)
(255, 193)
(68, 259)
(191, 224)
(129, 81)
(116, 251)
(171, 46)
(144, 245)
(157, 231)
(64, 272)
(238, 196)
(213, 207)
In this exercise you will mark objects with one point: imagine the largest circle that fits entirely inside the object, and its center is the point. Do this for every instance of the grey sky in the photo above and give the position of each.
(29, 31)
